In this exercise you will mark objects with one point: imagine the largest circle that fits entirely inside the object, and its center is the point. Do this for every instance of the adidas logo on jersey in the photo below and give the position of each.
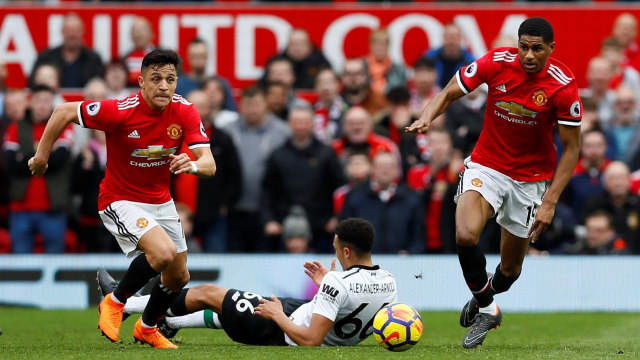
(134, 135)
(501, 88)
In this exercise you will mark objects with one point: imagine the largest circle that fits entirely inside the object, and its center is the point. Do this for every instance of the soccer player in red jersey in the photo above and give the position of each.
(508, 171)
(143, 133)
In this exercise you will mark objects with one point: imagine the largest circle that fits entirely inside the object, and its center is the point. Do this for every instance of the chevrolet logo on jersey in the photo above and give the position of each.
(515, 109)
(154, 152)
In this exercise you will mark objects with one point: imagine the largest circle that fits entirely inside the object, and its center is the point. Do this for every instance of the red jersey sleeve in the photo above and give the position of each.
(99, 115)
(568, 106)
(478, 72)
(195, 135)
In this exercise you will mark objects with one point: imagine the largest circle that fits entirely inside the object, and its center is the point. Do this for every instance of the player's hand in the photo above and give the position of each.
(38, 166)
(420, 126)
(316, 271)
(543, 220)
(269, 309)
(180, 163)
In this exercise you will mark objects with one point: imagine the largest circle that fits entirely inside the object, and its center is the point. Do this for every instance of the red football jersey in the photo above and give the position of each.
(522, 108)
(139, 142)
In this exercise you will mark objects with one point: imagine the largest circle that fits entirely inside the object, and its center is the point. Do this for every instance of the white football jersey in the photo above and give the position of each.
(350, 299)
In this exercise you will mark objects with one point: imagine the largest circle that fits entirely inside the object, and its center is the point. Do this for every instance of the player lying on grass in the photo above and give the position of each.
(341, 313)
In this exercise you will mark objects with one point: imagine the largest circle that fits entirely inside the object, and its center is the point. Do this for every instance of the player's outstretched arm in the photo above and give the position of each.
(436, 106)
(62, 116)
(316, 271)
(204, 166)
(303, 336)
(570, 138)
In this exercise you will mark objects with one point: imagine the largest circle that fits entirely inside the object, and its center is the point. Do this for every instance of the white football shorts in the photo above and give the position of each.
(129, 220)
(514, 202)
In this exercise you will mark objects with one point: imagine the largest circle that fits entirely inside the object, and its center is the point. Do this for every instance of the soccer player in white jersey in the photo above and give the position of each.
(341, 313)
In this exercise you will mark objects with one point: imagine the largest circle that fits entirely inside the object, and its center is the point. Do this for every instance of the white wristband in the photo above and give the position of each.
(194, 168)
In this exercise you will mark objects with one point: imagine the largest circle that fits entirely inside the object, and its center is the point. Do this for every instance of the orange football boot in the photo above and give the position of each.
(110, 317)
(152, 337)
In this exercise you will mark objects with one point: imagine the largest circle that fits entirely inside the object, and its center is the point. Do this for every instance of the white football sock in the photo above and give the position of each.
(199, 319)
(136, 304)
(492, 309)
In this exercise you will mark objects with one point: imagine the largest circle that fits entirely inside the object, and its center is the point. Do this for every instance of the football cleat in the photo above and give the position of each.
(165, 329)
(478, 332)
(107, 284)
(471, 308)
(151, 336)
(110, 317)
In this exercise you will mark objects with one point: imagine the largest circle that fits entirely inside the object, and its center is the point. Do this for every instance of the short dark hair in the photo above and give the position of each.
(41, 87)
(602, 213)
(252, 91)
(358, 233)
(195, 41)
(537, 26)
(425, 62)
(399, 95)
(159, 57)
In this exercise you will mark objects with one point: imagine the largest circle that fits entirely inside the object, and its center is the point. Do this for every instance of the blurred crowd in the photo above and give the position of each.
(308, 145)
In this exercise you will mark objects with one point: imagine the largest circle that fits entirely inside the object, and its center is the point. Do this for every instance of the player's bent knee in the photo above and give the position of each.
(466, 237)
(160, 258)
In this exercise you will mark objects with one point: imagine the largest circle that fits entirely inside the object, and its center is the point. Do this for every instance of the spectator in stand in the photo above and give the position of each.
(356, 87)
(306, 172)
(215, 195)
(425, 82)
(197, 57)
(88, 172)
(15, 106)
(451, 56)
(76, 63)
(277, 94)
(306, 59)
(465, 118)
(625, 30)
(619, 201)
(599, 74)
(384, 73)
(256, 135)
(49, 76)
(393, 209)
(357, 170)
(586, 180)
(625, 126)
(601, 237)
(623, 75)
(142, 37)
(115, 74)
(217, 97)
(590, 122)
(38, 204)
(393, 122)
(437, 180)
(359, 137)
(330, 107)
(296, 231)
(280, 70)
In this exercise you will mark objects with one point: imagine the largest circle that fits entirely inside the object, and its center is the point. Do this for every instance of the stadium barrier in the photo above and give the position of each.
(547, 284)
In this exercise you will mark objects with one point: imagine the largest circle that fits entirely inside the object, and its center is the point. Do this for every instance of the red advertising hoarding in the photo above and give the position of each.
(243, 36)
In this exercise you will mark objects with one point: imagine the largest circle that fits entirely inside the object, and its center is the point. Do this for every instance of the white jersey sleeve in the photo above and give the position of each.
(331, 296)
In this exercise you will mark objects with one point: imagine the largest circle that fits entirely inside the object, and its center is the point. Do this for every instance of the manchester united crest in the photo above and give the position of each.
(540, 97)
(174, 131)
(142, 223)
(476, 182)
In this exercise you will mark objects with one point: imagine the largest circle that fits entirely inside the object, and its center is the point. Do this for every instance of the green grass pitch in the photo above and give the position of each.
(40, 335)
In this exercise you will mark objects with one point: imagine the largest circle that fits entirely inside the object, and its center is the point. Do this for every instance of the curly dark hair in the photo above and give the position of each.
(358, 233)
(537, 26)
